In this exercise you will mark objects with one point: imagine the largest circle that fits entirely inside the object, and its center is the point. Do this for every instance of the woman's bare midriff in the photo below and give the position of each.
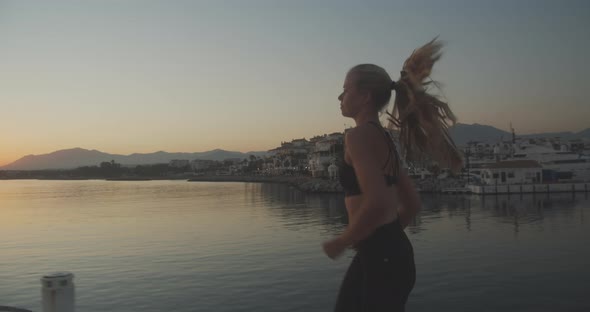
(353, 204)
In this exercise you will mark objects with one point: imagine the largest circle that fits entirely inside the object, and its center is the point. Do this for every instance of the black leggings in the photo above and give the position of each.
(382, 273)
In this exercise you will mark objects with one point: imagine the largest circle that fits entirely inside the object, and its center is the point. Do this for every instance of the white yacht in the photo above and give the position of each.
(562, 164)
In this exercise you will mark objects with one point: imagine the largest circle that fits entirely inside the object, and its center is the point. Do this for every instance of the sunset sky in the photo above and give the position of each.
(190, 76)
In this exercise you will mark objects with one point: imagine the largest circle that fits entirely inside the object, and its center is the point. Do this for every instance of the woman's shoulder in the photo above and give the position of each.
(361, 133)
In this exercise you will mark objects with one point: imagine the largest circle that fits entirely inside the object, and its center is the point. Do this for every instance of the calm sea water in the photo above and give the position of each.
(180, 246)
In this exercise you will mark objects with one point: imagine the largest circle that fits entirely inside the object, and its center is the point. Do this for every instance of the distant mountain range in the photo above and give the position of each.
(77, 157)
(463, 133)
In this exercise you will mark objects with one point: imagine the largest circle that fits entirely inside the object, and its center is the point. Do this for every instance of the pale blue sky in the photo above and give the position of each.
(188, 76)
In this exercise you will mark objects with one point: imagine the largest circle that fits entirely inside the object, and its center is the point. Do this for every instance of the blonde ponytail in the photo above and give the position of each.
(422, 119)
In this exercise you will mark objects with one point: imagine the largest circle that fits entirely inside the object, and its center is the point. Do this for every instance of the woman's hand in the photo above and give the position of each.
(334, 248)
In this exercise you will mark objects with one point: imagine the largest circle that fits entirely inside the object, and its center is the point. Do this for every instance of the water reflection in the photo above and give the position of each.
(297, 209)
(519, 210)
(256, 247)
(291, 204)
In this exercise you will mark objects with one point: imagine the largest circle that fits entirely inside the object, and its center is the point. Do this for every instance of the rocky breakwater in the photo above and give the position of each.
(320, 186)
(316, 185)
(437, 185)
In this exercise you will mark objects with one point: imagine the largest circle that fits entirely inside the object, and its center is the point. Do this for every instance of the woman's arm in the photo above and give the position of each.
(409, 198)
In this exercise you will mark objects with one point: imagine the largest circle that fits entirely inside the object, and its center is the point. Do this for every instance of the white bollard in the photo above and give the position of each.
(58, 292)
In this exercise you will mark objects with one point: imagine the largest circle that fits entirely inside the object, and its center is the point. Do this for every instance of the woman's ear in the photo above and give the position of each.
(367, 98)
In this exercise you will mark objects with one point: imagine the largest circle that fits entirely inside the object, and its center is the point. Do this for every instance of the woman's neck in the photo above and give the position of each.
(366, 118)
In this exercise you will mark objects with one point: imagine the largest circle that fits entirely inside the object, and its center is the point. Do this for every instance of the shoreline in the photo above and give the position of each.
(305, 184)
(302, 183)
(309, 184)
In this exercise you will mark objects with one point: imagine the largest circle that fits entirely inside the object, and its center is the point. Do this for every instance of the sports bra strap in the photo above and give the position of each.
(390, 144)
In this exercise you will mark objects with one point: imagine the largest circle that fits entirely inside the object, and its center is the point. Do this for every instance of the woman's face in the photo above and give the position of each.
(352, 100)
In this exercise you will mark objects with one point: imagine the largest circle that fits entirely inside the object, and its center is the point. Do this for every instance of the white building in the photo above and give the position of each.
(512, 172)
(333, 171)
(202, 164)
(327, 151)
(179, 163)
(289, 157)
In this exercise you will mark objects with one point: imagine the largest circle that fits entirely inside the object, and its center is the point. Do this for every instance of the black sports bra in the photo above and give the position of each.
(348, 178)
